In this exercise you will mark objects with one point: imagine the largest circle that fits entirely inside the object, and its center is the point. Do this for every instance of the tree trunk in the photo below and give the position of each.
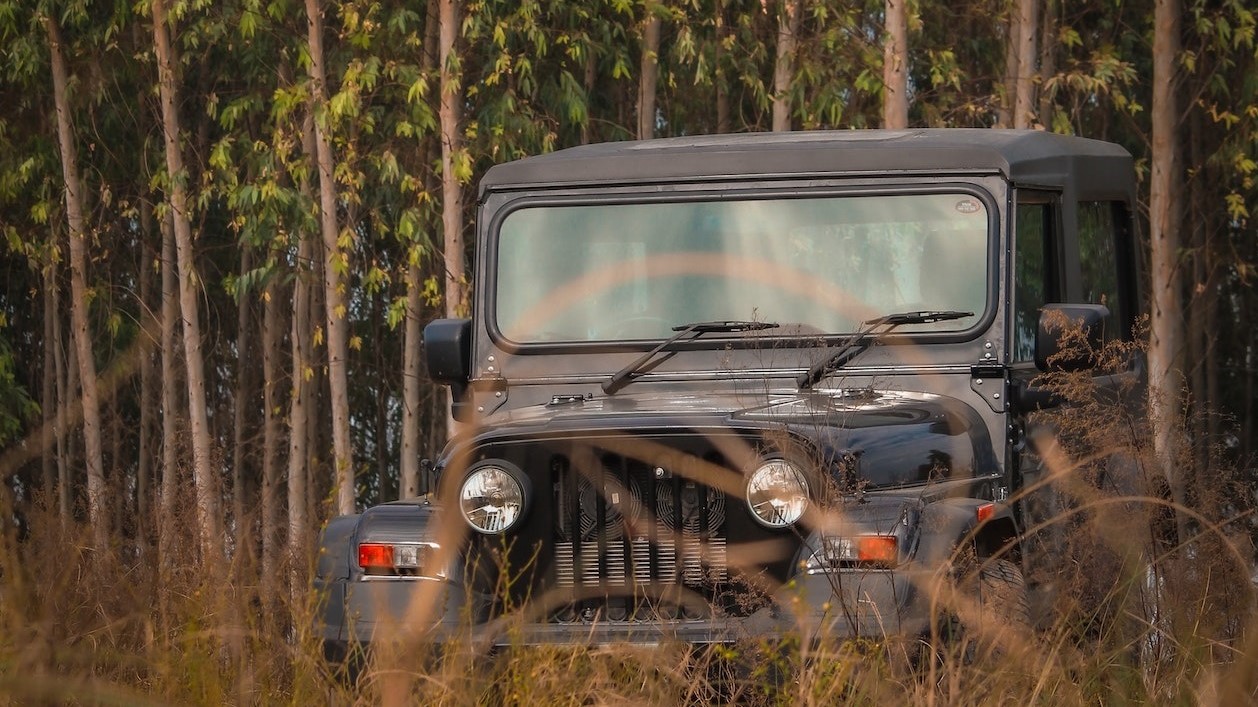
(336, 263)
(784, 66)
(650, 73)
(1165, 348)
(412, 345)
(723, 124)
(94, 461)
(1024, 85)
(64, 392)
(270, 428)
(209, 521)
(299, 401)
(170, 390)
(48, 392)
(144, 470)
(240, 409)
(451, 145)
(1048, 62)
(590, 76)
(895, 62)
(1009, 86)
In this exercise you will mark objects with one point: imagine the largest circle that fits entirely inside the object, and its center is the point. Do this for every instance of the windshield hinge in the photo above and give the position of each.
(569, 399)
(988, 380)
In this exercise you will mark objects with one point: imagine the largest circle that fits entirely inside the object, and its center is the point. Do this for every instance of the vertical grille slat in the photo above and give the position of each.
(624, 523)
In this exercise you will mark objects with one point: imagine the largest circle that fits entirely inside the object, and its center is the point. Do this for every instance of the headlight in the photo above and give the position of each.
(493, 497)
(777, 493)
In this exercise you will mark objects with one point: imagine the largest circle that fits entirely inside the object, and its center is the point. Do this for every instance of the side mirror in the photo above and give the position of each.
(448, 349)
(1068, 335)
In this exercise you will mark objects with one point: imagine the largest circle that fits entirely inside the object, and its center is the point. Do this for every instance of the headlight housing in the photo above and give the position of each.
(494, 497)
(777, 493)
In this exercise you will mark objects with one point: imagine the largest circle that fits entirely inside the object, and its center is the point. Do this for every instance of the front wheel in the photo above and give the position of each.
(990, 613)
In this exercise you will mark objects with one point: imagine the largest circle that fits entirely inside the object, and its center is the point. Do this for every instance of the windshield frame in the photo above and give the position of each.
(947, 184)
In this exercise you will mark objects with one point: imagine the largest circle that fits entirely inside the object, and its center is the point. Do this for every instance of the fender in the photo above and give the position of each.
(949, 522)
(332, 572)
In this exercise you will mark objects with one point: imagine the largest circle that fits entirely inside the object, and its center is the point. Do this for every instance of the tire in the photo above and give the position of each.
(1000, 614)
(1002, 595)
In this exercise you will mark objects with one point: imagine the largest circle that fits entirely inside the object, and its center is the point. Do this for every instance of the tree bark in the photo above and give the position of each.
(93, 456)
(299, 401)
(1165, 348)
(723, 124)
(1009, 86)
(784, 66)
(451, 144)
(270, 428)
(895, 61)
(170, 390)
(336, 263)
(1048, 62)
(64, 392)
(48, 392)
(650, 73)
(412, 345)
(209, 521)
(144, 470)
(241, 398)
(1024, 84)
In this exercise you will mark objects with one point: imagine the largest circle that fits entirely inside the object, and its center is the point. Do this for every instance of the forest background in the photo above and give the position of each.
(226, 222)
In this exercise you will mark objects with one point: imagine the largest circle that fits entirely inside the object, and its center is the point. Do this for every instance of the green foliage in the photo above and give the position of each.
(16, 406)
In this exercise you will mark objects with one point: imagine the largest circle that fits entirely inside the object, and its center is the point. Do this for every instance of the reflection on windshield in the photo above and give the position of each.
(633, 271)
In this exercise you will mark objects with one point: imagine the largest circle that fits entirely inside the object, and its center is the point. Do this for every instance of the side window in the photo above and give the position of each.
(1034, 269)
(1101, 242)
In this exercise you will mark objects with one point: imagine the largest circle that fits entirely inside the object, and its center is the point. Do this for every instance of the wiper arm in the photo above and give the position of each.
(693, 330)
(856, 344)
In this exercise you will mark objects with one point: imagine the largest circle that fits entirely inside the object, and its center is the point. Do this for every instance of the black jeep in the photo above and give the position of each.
(740, 385)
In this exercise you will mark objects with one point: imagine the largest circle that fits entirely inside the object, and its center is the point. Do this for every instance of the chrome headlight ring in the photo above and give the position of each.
(494, 496)
(777, 493)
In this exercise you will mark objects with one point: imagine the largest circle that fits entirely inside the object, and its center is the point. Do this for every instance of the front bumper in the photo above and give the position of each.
(842, 604)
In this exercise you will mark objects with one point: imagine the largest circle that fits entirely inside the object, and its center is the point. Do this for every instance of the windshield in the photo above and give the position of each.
(614, 272)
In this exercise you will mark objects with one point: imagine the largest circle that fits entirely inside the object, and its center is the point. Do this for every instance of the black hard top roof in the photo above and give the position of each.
(1089, 168)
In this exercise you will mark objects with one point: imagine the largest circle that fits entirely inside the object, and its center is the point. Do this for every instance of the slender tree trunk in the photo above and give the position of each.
(412, 346)
(1165, 349)
(723, 124)
(64, 391)
(336, 263)
(784, 66)
(209, 520)
(270, 428)
(1009, 86)
(451, 146)
(48, 392)
(895, 61)
(1048, 62)
(1024, 86)
(299, 422)
(650, 73)
(591, 75)
(73, 447)
(170, 390)
(242, 402)
(144, 470)
(94, 459)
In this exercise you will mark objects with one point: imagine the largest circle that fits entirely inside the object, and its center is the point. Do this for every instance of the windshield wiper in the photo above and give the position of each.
(856, 344)
(693, 330)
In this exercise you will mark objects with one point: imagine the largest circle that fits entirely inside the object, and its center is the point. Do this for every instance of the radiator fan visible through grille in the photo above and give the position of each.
(702, 511)
(620, 505)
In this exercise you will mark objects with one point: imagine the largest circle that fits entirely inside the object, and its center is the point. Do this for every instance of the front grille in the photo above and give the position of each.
(623, 524)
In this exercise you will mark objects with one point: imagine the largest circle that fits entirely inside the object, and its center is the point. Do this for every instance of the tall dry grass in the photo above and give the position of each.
(1153, 605)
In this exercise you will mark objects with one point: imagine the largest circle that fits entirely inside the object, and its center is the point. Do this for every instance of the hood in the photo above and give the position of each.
(868, 439)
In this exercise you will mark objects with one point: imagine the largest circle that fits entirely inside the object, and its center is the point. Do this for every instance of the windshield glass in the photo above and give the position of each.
(612, 272)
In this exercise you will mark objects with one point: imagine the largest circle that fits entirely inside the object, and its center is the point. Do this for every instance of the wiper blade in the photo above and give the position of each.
(856, 344)
(693, 330)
